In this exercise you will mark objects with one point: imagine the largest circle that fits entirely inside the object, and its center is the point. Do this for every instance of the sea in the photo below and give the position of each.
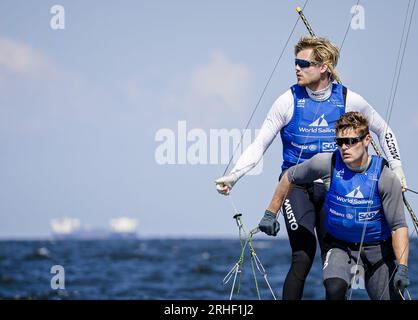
(157, 269)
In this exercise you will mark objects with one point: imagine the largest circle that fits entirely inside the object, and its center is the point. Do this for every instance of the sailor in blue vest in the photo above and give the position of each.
(305, 117)
(367, 235)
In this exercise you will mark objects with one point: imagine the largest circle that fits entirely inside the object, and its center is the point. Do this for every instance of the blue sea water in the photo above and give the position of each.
(153, 269)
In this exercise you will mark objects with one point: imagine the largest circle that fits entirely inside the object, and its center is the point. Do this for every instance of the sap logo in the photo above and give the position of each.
(300, 103)
(365, 216)
(329, 146)
(340, 173)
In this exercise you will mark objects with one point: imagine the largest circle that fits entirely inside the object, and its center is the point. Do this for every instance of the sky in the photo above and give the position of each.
(87, 111)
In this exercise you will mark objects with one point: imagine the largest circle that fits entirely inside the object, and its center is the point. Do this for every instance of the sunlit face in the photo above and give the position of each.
(353, 155)
(308, 75)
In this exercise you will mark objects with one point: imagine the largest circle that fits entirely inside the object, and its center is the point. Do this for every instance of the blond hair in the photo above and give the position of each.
(323, 50)
(353, 120)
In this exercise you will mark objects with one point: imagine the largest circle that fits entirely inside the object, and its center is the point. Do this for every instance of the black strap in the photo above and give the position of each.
(384, 163)
(345, 95)
(372, 268)
(333, 160)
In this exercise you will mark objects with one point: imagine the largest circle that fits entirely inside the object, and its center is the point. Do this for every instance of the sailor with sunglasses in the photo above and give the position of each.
(305, 117)
(367, 234)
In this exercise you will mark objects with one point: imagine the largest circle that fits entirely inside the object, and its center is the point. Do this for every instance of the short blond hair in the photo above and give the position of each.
(324, 51)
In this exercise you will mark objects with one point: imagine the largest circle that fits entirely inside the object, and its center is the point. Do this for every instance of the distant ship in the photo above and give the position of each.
(66, 228)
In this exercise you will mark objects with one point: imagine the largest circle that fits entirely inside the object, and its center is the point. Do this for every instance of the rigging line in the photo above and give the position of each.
(264, 91)
(312, 34)
(405, 43)
(411, 212)
(403, 55)
(414, 219)
(413, 191)
(363, 234)
(348, 28)
(240, 225)
(375, 147)
(390, 106)
(397, 63)
(403, 297)
(396, 268)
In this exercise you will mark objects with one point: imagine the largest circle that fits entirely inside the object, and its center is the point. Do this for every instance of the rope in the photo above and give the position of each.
(264, 91)
(348, 29)
(238, 266)
(254, 259)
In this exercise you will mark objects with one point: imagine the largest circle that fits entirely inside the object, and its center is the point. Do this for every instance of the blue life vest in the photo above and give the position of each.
(353, 202)
(312, 127)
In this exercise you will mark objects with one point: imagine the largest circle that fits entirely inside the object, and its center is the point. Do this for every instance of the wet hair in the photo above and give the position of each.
(353, 120)
(324, 51)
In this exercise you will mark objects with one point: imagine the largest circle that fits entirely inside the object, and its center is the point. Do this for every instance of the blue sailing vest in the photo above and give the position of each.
(312, 127)
(353, 202)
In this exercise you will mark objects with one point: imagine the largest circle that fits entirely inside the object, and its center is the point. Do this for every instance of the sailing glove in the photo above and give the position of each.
(401, 279)
(225, 183)
(269, 224)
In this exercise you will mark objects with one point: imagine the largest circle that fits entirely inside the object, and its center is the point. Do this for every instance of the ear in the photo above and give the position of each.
(324, 68)
(367, 140)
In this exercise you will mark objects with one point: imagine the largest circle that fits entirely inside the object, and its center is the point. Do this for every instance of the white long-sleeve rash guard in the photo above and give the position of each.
(281, 113)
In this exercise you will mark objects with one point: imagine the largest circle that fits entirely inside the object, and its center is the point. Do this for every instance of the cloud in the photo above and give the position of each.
(20, 58)
(218, 88)
(39, 94)
(220, 80)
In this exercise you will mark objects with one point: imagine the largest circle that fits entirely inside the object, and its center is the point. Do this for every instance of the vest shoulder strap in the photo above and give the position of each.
(333, 160)
(384, 163)
(345, 95)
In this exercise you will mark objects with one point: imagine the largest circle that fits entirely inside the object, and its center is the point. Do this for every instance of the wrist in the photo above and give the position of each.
(270, 213)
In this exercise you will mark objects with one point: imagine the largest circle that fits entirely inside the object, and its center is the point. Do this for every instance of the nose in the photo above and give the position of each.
(297, 67)
(345, 147)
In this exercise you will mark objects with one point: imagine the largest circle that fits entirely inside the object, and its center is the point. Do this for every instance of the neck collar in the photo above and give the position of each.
(320, 95)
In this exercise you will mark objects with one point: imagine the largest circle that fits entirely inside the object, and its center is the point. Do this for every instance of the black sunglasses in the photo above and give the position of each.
(349, 141)
(305, 63)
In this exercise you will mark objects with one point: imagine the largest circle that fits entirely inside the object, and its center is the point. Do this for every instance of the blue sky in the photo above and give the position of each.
(80, 107)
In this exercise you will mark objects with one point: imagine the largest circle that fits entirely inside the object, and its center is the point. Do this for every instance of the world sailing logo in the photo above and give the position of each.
(356, 193)
(320, 125)
(320, 122)
(355, 197)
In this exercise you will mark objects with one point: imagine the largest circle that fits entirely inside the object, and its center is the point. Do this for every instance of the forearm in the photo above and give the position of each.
(400, 245)
(279, 194)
